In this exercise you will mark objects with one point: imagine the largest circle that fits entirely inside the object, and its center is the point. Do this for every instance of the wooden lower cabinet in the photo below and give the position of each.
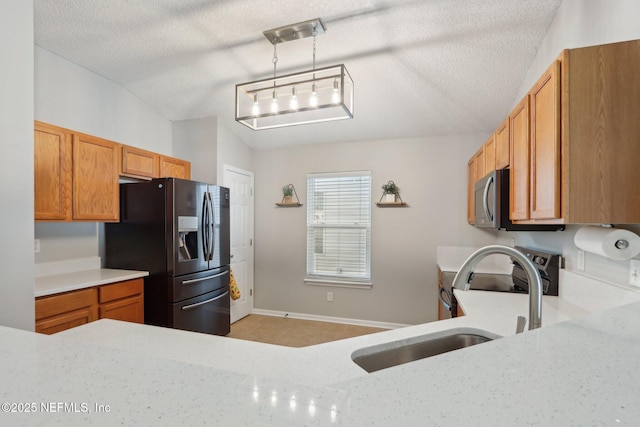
(122, 301)
(59, 312)
(119, 301)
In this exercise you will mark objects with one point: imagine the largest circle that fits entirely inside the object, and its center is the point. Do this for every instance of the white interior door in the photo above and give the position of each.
(240, 184)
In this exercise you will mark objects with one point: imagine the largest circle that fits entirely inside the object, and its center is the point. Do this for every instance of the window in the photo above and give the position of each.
(339, 228)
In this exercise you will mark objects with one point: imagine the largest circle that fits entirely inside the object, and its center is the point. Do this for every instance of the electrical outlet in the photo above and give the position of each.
(580, 265)
(36, 246)
(330, 296)
(634, 272)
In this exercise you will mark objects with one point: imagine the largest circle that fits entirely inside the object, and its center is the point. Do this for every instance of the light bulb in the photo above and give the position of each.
(314, 96)
(293, 104)
(255, 110)
(335, 96)
(274, 102)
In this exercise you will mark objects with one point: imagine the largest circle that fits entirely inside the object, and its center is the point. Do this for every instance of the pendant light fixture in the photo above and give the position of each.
(312, 96)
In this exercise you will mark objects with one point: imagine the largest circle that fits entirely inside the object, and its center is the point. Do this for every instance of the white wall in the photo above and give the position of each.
(232, 150)
(432, 176)
(73, 97)
(580, 23)
(197, 140)
(16, 164)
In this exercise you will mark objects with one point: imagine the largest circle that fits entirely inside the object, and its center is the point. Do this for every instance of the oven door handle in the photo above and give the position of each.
(446, 305)
(189, 307)
(485, 199)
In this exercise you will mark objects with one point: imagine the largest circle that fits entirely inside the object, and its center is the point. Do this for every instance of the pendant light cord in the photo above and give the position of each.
(275, 61)
(314, 34)
(275, 57)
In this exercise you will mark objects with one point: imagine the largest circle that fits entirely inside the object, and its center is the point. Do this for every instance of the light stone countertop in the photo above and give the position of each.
(57, 283)
(80, 273)
(583, 371)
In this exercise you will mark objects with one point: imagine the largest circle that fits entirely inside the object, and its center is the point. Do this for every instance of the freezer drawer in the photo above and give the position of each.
(208, 313)
(192, 285)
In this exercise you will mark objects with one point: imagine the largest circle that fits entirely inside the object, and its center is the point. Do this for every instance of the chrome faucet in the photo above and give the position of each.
(461, 280)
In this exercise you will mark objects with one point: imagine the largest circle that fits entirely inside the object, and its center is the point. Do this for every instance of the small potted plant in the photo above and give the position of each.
(287, 192)
(390, 190)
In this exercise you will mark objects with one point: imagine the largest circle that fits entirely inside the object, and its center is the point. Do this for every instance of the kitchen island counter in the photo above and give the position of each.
(582, 371)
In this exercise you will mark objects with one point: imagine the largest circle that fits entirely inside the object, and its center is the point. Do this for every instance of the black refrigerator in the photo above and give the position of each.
(178, 231)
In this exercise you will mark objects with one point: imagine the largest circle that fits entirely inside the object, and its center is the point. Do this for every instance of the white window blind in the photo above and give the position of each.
(339, 227)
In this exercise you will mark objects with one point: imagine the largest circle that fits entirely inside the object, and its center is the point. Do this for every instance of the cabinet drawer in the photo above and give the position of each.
(64, 303)
(65, 321)
(120, 290)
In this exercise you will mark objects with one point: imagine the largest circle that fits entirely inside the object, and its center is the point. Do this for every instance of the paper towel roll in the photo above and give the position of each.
(614, 243)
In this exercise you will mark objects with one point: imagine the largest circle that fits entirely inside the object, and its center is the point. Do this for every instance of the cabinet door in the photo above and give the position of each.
(479, 161)
(139, 163)
(52, 173)
(95, 179)
(489, 151)
(127, 309)
(519, 176)
(471, 179)
(174, 168)
(122, 301)
(545, 145)
(502, 145)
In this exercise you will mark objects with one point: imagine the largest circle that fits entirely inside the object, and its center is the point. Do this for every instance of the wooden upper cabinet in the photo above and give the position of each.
(503, 151)
(519, 176)
(574, 140)
(96, 167)
(471, 180)
(76, 176)
(489, 151)
(138, 163)
(479, 162)
(545, 141)
(52, 173)
(601, 134)
(171, 167)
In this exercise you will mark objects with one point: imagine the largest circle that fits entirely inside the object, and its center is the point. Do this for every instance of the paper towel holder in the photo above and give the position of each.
(622, 244)
(619, 244)
(615, 243)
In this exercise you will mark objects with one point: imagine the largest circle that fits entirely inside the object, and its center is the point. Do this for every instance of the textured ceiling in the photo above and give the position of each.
(420, 67)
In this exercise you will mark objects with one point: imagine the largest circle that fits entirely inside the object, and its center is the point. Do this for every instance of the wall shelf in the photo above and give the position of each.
(392, 204)
(289, 205)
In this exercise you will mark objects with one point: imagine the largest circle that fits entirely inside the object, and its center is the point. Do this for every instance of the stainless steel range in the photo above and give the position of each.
(548, 264)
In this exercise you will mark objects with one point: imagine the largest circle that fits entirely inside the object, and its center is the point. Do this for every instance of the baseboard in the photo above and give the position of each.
(317, 318)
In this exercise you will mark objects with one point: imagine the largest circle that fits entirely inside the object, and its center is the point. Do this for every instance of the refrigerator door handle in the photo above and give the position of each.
(212, 213)
(205, 227)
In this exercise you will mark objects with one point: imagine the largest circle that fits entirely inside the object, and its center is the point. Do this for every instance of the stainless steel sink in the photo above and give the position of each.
(383, 356)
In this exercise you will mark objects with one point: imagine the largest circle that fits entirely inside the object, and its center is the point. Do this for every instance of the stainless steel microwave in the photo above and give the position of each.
(491, 205)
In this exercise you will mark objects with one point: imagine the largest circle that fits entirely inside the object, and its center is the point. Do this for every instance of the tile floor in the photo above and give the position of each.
(294, 332)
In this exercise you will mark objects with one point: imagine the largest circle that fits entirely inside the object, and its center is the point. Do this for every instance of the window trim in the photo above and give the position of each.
(338, 280)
